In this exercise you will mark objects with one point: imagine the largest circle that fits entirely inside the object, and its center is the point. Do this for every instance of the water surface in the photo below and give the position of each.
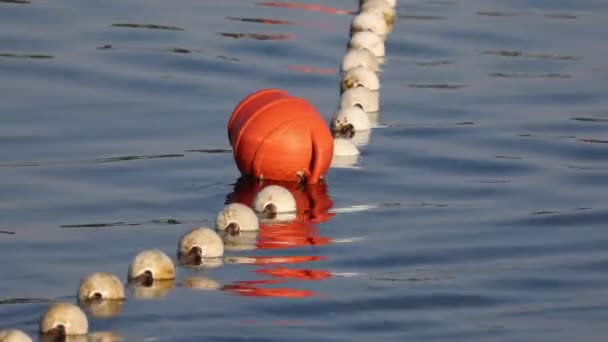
(485, 184)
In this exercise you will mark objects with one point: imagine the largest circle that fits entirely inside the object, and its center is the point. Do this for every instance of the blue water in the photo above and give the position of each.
(485, 183)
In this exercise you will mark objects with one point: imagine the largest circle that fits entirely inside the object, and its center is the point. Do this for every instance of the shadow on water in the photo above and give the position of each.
(11, 301)
(163, 221)
(257, 36)
(530, 55)
(587, 119)
(26, 56)
(90, 161)
(528, 75)
(440, 86)
(148, 26)
(176, 50)
(420, 17)
(527, 14)
(22, 2)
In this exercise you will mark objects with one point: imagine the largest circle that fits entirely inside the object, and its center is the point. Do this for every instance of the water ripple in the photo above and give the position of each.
(441, 86)
(420, 17)
(148, 26)
(588, 119)
(23, 2)
(402, 302)
(257, 36)
(26, 56)
(528, 75)
(522, 54)
(90, 161)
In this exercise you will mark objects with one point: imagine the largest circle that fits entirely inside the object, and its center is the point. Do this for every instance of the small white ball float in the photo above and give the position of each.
(346, 154)
(392, 3)
(372, 21)
(100, 286)
(61, 320)
(235, 218)
(347, 121)
(360, 58)
(102, 294)
(361, 97)
(360, 77)
(368, 40)
(14, 335)
(275, 203)
(384, 8)
(199, 244)
(149, 266)
(244, 241)
(345, 148)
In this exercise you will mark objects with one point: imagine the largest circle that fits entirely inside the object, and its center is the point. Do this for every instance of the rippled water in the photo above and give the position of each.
(482, 195)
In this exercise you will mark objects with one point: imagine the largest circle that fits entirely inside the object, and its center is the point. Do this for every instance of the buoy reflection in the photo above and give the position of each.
(312, 200)
(306, 7)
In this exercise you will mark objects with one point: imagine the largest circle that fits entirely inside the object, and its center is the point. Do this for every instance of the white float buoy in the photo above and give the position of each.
(360, 77)
(14, 335)
(384, 8)
(64, 319)
(360, 58)
(364, 98)
(372, 21)
(198, 244)
(235, 218)
(347, 121)
(101, 286)
(345, 148)
(368, 40)
(275, 202)
(151, 265)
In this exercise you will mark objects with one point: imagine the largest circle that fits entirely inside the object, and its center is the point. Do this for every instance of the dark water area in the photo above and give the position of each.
(477, 211)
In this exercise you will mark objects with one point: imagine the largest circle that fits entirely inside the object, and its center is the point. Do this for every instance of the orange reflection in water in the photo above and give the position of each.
(299, 274)
(267, 21)
(290, 235)
(312, 70)
(312, 200)
(307, 7)
(313, 204)
(295, 259)
(251, 289)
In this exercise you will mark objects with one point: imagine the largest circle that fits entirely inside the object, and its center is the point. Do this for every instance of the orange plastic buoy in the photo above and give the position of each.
(277, 136)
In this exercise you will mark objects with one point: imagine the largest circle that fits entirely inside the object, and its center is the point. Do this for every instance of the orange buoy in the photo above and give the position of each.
(277, 136)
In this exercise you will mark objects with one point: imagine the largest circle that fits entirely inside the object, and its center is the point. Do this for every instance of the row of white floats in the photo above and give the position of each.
(359, 105)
